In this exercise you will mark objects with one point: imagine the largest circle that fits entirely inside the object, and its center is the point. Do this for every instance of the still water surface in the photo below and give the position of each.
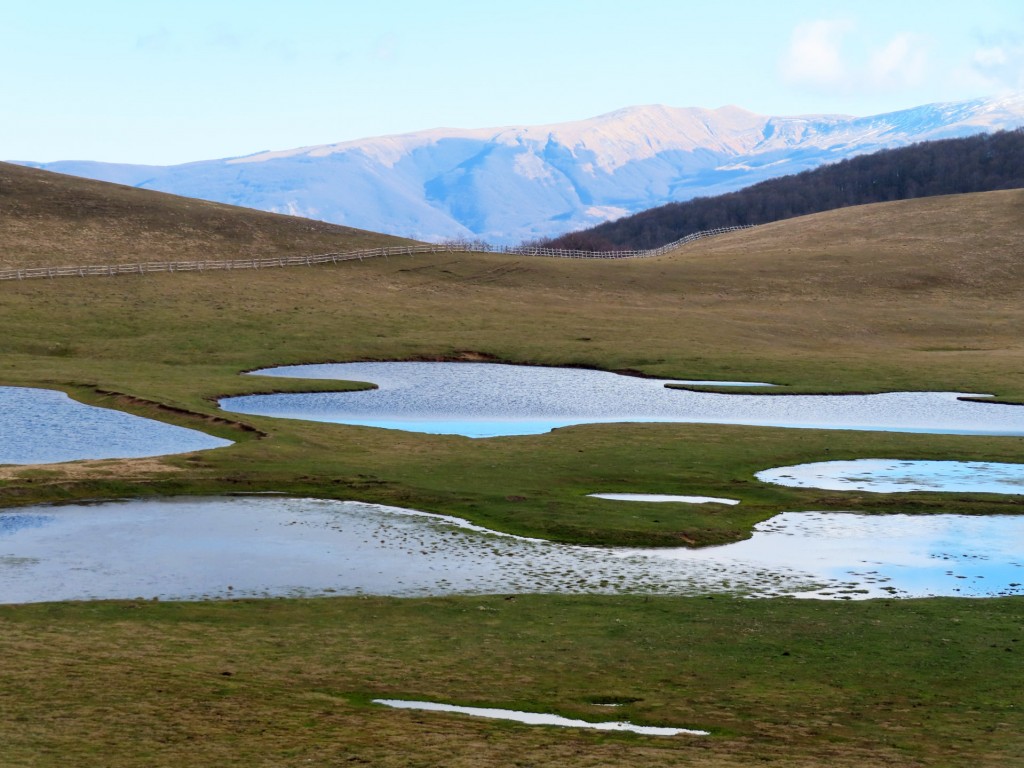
(895, 475)
(210, 548)
(489, 400)
(42, 426)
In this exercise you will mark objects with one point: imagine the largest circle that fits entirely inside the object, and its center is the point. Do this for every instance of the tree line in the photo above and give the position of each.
(980, 163)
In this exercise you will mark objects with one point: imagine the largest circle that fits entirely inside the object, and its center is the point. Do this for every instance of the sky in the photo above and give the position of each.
(171, 81)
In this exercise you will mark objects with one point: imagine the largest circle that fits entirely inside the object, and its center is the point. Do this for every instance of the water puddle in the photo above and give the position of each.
(537, 718)
(660, 497)
(489, 400)
(223, 547)
(896, 475)
(43, 426)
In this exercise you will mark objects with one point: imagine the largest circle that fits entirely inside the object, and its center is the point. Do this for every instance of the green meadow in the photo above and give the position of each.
(918, 295)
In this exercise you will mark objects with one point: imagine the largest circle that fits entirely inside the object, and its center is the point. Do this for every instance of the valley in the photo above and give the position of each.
(920, 295)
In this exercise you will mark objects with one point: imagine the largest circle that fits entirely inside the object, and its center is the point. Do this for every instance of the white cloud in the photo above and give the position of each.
(815, 55)
(998, 63)
(903, 61)
(835, 55)
(989, 57)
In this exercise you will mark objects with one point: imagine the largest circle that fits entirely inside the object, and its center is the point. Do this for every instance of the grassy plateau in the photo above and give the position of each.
(917, 295)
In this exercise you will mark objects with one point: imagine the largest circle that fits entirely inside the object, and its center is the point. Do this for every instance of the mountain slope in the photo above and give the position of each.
(515, 183)
(981, 163)
(53, 219)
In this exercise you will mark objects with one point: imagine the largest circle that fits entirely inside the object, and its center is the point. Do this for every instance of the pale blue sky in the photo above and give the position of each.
(167, 81)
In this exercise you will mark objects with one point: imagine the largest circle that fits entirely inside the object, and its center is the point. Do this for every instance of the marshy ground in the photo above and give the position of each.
(920, 295)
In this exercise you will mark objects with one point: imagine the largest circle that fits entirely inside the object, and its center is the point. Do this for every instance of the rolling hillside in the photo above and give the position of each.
(51, 219)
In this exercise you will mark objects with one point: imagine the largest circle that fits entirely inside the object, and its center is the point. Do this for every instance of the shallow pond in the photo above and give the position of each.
(489, 400)
(43, 426)
(895, 475)
(192, 548)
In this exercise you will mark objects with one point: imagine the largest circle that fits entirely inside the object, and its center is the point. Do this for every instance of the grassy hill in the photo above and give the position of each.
(924, 294)
(49, 219)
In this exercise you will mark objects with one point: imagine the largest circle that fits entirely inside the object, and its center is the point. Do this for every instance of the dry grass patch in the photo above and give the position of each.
(956, 244)
(125, 470)
(54, 220)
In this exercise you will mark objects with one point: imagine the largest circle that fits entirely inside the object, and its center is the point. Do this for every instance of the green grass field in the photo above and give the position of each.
(923, 295)
(289, 682)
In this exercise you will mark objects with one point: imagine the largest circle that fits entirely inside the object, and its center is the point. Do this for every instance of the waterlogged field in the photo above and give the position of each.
(192, 549)
(921, 296)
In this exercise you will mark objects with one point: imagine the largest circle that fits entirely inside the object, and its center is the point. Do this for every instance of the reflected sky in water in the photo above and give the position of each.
(896, 475)
(213, 548)
(489, 400)
(43, 426)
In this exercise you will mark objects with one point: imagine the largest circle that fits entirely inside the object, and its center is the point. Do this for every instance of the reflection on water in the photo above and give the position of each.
(42, 426)
(488, 400)
(188, 548)
(894, 475)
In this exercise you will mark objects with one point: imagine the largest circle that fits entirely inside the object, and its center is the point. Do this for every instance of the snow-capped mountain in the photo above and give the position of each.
(508, 184)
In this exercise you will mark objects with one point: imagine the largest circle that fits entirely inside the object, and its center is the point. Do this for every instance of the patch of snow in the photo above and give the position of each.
(530, 166)
(606, 212)
(745, 166)
(656, 497)
(537, 718)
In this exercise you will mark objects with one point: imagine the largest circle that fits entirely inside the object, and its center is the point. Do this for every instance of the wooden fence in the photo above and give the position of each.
(334, 258)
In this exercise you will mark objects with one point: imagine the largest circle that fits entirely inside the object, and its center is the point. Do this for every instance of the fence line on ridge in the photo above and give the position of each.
(334, 258)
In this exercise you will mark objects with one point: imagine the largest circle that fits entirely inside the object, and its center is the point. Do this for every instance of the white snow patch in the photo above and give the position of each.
(743, 166)
(530, 166)
(386, 150)
(663, 497)
(538, 718)
(292, 208)
(606, 212)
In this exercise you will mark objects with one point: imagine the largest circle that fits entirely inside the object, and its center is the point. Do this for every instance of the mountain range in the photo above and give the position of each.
(506, 185)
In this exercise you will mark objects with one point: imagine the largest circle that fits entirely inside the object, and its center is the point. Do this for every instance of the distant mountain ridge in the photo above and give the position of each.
(509, 184)
(985, 162)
